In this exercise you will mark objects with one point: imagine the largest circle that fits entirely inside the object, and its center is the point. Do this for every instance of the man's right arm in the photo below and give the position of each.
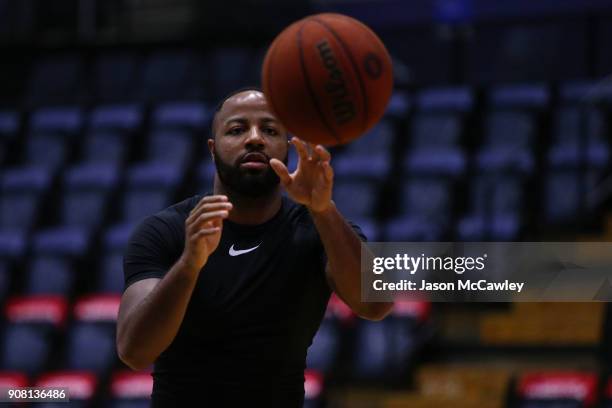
(153, 309)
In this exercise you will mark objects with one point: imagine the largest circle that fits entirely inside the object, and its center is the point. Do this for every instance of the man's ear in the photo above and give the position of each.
(211, 148)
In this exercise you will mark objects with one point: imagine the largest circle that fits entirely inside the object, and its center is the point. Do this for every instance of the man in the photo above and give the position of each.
(225, 292)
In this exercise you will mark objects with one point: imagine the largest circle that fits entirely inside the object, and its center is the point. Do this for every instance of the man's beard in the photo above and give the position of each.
(247, 182)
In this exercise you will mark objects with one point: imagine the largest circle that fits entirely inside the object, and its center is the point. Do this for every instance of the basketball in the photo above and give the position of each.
(328, 78)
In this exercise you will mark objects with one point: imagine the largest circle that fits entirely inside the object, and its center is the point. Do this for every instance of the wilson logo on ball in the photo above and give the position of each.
(343, 108)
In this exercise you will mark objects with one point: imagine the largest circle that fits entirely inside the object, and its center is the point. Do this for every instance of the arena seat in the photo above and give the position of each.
(83, 386)
(557, 389)
(383, 350)
(28, 339)
(93, 328)
(52, 267)
(495, 208)
(110, 276)
(150, 188)
(23, 190)
(130, 389)
(425, 206)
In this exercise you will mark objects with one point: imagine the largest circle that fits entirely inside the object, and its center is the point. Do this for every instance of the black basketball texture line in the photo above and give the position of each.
(309, 87)
(348, 53)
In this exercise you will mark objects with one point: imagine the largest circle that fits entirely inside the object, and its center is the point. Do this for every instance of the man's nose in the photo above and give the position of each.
(255, 138)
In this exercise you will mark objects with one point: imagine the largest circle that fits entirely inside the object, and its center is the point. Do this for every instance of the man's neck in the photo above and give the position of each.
(250, 210)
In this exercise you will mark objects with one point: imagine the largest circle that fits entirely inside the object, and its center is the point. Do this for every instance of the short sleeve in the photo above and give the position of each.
(151, 251)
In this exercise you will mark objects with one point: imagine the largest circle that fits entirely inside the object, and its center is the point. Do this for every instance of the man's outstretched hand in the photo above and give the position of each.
(312, 182)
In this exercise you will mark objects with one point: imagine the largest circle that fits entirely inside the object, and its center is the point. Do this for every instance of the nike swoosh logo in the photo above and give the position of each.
(236, 252)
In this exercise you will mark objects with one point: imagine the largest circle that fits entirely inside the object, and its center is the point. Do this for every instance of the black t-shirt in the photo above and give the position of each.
(257, 304)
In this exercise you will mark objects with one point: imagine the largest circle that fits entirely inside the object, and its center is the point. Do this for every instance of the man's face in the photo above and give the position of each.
(247, 135)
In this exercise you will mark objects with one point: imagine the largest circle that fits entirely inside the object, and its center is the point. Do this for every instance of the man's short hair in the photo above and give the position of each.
(222, 102)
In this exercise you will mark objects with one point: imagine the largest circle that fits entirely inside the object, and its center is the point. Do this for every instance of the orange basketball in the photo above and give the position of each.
(328, 78)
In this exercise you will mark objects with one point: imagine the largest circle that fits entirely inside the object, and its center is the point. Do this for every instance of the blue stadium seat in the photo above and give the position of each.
(87, 190)
(526, 96)
(581, 126)
(110, 276)
(509, 143)
(437, 129)
(114, 78)
(579, 136)
(106, 146)
(563, 389)
(399, 105)
(51, 270)
(61, 120)
(9, 124)
(325, 349)
(356, 198)
(130, 390)
(384, 349)
(22, 191)
(93, 328)
(13, 244)
(184, 82)
(425, 205)
(435, 147)
(565, 193)
(118, 117)
(171, 146)
(54, 81)
(191, 115)
(370, 156)
(454, 99)
(495, 208)
(33, 324)
(52, 134)
(83, 386)
(206, 176)
(150, 188)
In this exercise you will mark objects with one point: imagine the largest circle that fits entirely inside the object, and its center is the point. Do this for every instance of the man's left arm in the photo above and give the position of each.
(311, 185)
(343, 248)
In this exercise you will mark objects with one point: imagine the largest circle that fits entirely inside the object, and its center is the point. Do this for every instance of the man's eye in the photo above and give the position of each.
(271, 131)
(234, 131)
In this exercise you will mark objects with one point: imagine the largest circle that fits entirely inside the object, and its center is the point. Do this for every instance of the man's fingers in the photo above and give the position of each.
(204, 232)
(322, 153)
(281, 171)
(209, 199)
(207, 207)
(328, 171)
(207, 217)
(301, 148)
